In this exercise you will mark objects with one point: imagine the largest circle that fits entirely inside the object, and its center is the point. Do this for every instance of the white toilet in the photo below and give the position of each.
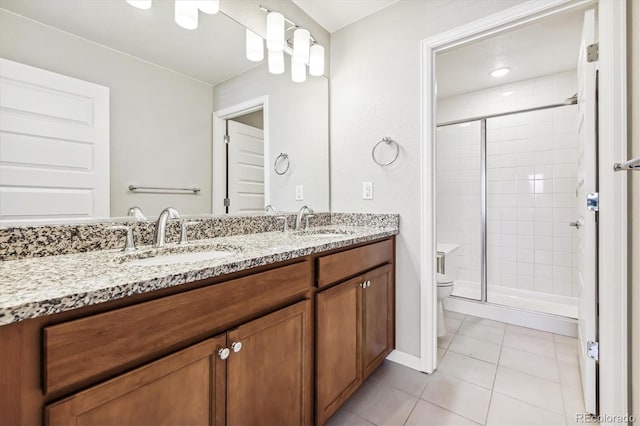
(445, 288)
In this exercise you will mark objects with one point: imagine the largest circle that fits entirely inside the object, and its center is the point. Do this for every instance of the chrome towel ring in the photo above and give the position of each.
(282, 163)
(389, 142)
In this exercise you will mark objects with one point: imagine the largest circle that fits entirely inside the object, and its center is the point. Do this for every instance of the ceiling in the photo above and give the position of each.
(336, 14)
(533, 50)
(212, 53)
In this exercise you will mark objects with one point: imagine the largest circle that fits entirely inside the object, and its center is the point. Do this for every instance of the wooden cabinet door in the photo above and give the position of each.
(338, 341)
(270, 377)
(377, 318)
(185, 388)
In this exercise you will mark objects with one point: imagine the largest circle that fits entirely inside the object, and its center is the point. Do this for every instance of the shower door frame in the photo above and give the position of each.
(483, 179)
(613, 320)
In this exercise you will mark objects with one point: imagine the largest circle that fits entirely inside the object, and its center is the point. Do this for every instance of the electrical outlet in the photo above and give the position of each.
(299, 193)
(367, 190)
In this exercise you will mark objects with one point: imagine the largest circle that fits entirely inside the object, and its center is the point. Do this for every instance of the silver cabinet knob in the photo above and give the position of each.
(224, 353)
(236, 346)
(368, 283)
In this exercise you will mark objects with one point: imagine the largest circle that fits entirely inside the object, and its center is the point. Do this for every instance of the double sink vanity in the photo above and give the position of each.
(245, 324)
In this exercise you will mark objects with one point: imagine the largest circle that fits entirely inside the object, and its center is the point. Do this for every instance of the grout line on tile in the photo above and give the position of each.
(529, 403)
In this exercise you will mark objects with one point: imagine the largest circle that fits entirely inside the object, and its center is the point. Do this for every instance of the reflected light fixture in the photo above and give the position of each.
(500, 72)
(298, 71)
(275, 31)
(186, 14)
(507, 93)
(210, 7)
(301, 42)
(254, 45)
(276, 62)
(316, 60)
(140, 4)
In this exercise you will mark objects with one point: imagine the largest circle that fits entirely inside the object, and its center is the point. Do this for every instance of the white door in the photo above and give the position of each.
(586, 256)
(54, 146)
(245, 171)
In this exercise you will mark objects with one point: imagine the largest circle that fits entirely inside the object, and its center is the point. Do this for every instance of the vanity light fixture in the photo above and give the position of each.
(210, 7)
(316, 60)
(301, 42)
(500, 72)
(275, 31)
(186, 14)
(303, 48)
(298, 71)
(276, 62)
(254, 45)
(140, 4)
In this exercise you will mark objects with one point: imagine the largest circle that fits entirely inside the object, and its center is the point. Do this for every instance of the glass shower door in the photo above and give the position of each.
(459, 224)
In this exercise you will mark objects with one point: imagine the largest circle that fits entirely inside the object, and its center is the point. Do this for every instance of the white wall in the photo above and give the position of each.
(375, 92)
(160, 121)
(531, 174)
(297, 123)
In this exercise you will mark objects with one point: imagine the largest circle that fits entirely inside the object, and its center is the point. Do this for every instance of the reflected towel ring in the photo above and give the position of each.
(388, 141)
(281, 160)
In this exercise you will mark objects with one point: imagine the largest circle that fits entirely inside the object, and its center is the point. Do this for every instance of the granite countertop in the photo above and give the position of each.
(35, 287)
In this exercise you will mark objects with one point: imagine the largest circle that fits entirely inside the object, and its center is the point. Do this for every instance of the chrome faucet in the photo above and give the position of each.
(161, 225)
(301, 212)
(268, 209)
(136, 212)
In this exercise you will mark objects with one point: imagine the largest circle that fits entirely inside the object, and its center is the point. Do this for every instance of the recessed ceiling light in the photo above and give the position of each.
(507, 93)
(500, 72)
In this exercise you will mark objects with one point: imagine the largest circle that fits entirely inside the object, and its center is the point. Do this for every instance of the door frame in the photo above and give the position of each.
(218, 175)
(613, 319)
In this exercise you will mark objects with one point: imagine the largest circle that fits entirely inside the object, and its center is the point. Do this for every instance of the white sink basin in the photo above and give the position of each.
(189, 257)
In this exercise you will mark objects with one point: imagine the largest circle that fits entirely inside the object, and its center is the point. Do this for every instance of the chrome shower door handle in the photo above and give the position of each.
(578, 223)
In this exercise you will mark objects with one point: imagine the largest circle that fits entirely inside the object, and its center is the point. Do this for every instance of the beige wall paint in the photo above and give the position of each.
(160, 121)
(253, 119)
(633, 47)
(375, 92)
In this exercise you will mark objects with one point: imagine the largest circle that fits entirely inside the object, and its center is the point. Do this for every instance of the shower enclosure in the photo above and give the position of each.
(505, 196)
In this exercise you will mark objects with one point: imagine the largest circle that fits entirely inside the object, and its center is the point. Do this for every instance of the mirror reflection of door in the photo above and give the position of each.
(245, 164)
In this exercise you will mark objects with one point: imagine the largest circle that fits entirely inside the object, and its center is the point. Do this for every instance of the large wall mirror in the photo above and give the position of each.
(173, 96)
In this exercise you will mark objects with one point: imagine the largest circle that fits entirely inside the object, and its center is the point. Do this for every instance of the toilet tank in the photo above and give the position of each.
(446, 259)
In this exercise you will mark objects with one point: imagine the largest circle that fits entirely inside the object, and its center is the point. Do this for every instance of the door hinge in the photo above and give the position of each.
(593, 201)
(592, 350)
(227, 139)
(227, 202)
(592, 52)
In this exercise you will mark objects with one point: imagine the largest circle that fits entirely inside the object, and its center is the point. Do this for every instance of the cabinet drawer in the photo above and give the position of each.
(88, 348)
(336, 267)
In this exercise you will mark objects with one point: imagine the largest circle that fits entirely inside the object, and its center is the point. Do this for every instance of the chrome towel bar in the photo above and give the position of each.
(629, 165)
(158, 189)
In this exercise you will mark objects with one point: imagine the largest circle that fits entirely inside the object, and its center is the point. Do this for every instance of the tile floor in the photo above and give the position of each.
(490, 373)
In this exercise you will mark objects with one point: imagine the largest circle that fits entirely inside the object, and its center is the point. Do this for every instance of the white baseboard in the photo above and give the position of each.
(539, 321)
(405, 359)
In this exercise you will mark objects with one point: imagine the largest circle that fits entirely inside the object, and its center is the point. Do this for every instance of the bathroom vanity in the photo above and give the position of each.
(282, 332)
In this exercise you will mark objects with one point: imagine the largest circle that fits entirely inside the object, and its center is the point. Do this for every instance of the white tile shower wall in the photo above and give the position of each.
(531, 174)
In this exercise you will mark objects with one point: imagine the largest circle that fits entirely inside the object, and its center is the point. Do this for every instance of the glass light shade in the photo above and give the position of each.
(255, 48)
(276, 62)
(316, 60)
(210, 7)
(301, 40)
(275, 31)
(186, 14)
(140, 4)
(298, 71)
(500, 72)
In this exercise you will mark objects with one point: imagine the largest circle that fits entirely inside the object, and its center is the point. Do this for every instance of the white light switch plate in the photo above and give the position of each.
(367, 190)
(299, 193)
